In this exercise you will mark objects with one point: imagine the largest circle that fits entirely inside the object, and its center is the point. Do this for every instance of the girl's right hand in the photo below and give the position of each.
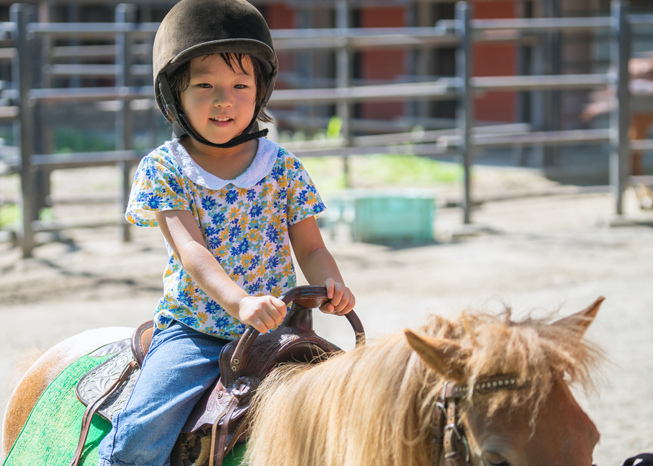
(261, 312)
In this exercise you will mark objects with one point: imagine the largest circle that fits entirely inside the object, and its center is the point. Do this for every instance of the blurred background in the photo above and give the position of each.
(471, 155)
(371, 94)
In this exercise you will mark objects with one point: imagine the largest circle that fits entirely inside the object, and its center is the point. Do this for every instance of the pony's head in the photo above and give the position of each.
(381, 404)
(530, 416)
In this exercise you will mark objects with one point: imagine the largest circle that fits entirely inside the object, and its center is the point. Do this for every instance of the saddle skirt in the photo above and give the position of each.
(97, 381)
(95, 384)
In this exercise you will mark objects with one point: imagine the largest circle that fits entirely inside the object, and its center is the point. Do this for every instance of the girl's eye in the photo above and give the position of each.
(494, 459)
(204, 85)
(240, 86)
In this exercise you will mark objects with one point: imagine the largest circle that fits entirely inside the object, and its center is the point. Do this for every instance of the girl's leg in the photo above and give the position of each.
(180, 365)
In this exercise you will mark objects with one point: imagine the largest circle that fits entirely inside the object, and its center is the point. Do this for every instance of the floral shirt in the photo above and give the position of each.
(244, 223)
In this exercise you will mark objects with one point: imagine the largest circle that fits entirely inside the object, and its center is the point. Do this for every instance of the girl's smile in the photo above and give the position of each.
(222, 122)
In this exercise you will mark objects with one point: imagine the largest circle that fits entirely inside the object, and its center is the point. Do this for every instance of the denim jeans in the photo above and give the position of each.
(180, 365)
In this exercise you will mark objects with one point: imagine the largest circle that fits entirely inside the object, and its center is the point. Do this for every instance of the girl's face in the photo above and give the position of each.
(219, 102)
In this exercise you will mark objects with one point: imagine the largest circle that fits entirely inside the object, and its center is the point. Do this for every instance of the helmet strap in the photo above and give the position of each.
(181, 126)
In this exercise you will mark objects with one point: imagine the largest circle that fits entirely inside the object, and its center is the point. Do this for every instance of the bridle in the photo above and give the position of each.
(448, 435)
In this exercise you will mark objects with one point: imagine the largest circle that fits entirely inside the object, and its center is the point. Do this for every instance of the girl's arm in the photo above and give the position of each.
(185, 238)
(319, 267)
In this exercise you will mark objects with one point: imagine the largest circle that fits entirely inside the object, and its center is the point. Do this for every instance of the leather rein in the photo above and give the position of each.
(448, 434)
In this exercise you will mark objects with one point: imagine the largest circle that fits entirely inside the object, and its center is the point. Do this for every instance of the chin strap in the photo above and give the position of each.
(181, 127)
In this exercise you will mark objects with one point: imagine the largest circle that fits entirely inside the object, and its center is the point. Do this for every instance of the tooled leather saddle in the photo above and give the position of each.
(219, 420)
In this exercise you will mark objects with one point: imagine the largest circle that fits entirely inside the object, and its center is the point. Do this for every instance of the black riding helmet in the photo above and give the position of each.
(193, 28)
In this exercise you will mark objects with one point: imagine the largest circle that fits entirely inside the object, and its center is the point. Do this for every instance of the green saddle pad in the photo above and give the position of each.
(52, 430)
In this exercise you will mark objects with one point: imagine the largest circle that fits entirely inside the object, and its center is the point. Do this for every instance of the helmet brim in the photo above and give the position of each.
(247, 46)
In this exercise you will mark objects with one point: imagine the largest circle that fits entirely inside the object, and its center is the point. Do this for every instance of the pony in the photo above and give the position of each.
(640, 71)
(380, 404)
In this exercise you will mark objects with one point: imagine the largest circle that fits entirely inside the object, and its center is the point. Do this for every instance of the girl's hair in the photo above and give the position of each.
(180, 79)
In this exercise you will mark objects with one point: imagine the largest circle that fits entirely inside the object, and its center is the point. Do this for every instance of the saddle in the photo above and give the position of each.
(219, 420)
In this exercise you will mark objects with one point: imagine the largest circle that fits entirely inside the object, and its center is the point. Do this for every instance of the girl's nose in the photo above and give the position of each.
(221, 99)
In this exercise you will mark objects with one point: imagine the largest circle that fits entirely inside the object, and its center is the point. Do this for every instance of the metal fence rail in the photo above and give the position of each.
(465, 140)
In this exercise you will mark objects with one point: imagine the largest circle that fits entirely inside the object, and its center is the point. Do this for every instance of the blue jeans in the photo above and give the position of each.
(180, 365)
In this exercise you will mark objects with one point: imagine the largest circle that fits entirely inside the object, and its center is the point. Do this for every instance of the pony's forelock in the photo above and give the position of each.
(532, 350)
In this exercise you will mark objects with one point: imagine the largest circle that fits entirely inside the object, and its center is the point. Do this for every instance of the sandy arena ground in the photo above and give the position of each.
(540, 254)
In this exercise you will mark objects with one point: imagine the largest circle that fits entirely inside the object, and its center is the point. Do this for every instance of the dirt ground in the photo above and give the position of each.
(538, 254)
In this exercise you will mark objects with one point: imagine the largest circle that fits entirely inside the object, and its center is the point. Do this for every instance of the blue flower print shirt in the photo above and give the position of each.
(244, 223)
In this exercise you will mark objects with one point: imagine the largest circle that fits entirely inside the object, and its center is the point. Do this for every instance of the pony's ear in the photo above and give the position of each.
(443, 356)
(583, 319)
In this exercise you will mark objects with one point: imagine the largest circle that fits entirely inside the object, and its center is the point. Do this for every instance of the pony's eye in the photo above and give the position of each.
(494, 459)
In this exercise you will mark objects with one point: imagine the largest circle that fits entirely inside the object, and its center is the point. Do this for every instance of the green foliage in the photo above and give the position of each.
(381, 171)
(326, 172)
(7, 134)
(9, 215)
(47, 214)
(405, 170)
(335, 127)
(68, 140)
(373, 171)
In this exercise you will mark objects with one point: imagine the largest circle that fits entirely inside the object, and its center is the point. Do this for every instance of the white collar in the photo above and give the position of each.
(261, 166)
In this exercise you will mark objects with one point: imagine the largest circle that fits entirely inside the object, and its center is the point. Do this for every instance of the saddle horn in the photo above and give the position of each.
(304, 299)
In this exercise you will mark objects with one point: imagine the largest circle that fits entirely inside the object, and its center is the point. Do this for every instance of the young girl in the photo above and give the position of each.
(229, 203)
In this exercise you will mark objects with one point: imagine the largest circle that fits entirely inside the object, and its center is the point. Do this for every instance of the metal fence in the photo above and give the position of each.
(464, 140)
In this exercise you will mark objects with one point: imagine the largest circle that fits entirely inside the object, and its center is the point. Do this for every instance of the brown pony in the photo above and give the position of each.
(640, 71)
(377, 405)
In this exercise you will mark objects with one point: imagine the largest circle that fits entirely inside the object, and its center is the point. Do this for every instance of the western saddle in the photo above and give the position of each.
(219, 420)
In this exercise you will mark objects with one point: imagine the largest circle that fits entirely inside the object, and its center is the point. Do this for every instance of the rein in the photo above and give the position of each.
(448, 434)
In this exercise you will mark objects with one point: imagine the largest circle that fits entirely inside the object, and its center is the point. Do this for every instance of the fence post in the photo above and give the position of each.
(465, 110)
(343, 80)
(22, 14)
(620, 119)
(551, 44)
(125, 14)
(42, 177)
(524, 9)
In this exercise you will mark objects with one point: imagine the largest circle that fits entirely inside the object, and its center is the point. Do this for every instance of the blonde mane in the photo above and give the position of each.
(375, 405)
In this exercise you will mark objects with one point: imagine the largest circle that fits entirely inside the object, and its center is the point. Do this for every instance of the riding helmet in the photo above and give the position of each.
(193, 28)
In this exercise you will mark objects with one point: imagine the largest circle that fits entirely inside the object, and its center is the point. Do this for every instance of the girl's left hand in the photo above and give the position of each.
(341, 299)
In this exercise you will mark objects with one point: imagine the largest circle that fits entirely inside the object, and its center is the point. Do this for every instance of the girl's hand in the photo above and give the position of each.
(261, 312)
(341, 299)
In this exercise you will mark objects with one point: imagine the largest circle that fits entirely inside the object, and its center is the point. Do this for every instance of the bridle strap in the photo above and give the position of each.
(448, 435)
(437, 431)
(456, 450)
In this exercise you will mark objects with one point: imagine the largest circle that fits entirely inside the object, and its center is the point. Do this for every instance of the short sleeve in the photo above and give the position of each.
(157, 187)
(303, 199)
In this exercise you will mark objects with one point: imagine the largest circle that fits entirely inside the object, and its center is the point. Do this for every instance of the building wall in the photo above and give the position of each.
(391, 65)
(280, 16)
(495, 60)
(385, 65)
